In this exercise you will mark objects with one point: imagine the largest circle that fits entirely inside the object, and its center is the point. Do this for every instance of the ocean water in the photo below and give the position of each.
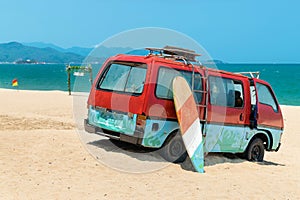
(42, 77)
(284, 78)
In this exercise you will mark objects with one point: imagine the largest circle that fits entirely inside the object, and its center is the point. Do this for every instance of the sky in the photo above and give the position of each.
(252, 31)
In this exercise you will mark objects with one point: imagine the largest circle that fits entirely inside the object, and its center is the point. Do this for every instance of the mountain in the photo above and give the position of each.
(103, 51)
(77, 50)
(100, 51)
(43, 45)
(37, 52)
(14, 52)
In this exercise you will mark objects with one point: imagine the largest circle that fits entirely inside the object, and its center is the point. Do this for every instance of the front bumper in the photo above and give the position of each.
(137, 137)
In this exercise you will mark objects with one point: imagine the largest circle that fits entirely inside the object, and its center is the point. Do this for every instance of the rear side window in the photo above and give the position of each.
(226, 92)
(123, 77)
(165, 80)
(265, 96)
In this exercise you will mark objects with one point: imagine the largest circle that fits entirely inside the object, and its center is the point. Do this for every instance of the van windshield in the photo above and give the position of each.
(123, 77)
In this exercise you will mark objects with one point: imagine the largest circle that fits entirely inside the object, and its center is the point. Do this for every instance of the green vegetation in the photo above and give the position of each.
(15, 52)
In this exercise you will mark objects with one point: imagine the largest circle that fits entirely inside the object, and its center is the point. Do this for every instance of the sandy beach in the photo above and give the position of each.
(44, 156)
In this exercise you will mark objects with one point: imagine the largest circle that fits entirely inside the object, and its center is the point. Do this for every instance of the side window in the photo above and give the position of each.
(238, 94)
(265, 96)
(164, 82)
(226, 92)
(165, 79)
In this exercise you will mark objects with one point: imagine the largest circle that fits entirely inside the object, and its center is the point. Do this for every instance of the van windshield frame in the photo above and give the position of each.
(123, 77)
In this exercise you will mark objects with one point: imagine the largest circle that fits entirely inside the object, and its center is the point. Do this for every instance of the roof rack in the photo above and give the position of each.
(175, 52)
(251, 74)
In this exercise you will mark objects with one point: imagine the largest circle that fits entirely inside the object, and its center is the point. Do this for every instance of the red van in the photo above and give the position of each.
(131, 100)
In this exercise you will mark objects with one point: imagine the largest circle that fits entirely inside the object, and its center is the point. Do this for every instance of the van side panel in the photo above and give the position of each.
(156, 138)
(250, 134)
(267, 117)
(156, 107)
(223, 138)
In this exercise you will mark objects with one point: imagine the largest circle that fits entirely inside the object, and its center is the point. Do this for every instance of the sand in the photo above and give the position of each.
(44, 156)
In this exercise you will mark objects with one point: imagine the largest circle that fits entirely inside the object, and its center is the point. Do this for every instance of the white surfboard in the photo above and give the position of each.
(189, 122)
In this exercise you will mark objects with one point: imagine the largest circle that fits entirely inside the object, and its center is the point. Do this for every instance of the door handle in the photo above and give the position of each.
(241, 117)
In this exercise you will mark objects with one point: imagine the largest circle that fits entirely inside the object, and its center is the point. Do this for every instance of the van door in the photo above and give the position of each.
(268, 110)
(227, 112)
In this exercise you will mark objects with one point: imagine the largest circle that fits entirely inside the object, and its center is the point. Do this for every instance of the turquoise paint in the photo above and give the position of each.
(112, 121)
(198, 158)
(276, 136)
(249, 134)
(219, 138)
(212, 143)
(122, 123)
(157, 138)
(231, 138)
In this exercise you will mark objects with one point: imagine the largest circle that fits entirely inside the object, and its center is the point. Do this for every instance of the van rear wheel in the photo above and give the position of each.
(255, 151)
(174, 149)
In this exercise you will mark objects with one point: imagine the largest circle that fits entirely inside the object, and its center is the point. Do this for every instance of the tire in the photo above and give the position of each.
(174, 149)
(255, 151)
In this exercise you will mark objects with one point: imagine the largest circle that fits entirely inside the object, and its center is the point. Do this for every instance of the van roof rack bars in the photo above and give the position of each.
(175, 52)
(252, 74)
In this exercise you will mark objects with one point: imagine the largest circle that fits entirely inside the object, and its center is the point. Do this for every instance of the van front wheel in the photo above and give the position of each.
(174, 149)
(255, 151)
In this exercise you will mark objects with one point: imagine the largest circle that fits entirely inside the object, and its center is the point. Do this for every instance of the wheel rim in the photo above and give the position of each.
(176, 149)
(256, 152)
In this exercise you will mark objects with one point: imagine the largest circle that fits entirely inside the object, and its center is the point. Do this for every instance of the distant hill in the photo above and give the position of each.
(15, 52)
(100, 51)
(39, 52)
(43, 45)
(214, 62)
(106, 52)
(77, 50)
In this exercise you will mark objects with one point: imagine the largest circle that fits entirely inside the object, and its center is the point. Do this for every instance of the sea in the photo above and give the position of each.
(284, 78)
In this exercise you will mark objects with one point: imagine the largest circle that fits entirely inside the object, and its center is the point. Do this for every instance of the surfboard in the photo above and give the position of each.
(189, 123)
